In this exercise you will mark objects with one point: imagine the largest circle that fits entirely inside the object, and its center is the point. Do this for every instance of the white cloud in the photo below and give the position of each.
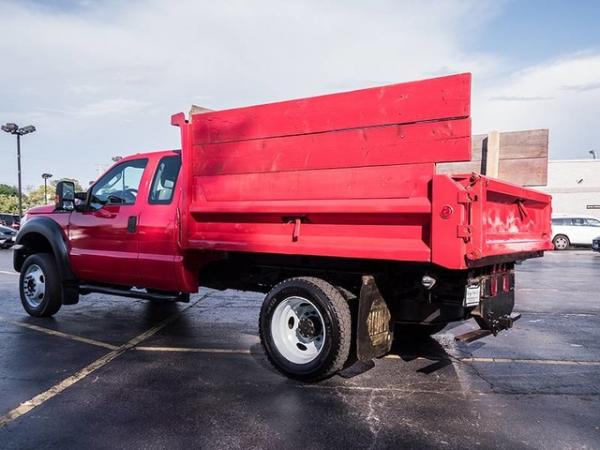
(102, 78)
(562, 95)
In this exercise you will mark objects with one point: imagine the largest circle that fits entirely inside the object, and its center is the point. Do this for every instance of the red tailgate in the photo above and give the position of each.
(479, 220)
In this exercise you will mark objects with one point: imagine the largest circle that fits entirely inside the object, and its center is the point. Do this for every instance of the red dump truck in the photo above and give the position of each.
(330, 205)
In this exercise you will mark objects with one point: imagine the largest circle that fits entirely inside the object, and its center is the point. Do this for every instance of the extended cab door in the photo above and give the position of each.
(159, 256)
(104, 239)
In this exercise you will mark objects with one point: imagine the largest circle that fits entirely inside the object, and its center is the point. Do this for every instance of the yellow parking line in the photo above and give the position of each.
(39, 399)
(564, 362)
(73, 337)
(195, 350)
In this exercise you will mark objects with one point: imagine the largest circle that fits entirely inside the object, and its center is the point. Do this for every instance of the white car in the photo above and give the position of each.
(570, 230)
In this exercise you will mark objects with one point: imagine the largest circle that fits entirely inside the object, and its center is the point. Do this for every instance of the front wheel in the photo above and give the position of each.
(561, 242)
(305, 328)
(39, 286)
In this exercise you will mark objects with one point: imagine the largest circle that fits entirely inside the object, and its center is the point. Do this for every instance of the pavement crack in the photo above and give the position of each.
(373, 420)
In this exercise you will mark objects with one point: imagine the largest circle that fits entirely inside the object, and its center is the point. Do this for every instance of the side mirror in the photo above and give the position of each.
(65, 196)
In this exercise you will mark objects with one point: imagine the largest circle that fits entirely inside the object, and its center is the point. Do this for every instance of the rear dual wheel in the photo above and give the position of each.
(305, 328)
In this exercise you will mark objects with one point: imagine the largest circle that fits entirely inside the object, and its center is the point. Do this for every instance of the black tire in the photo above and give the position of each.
(335, 314)
(416, 331)
(52, 292)
(561, 242)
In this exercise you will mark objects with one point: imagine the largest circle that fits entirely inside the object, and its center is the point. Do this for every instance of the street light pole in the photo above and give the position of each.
(13, 128)
(19, 174)
(45, 176)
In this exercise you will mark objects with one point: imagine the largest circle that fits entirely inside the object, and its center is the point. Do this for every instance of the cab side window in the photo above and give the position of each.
(592, 222)
(165, 179)
(120, 185)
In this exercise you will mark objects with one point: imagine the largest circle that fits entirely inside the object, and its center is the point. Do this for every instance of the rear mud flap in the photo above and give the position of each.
(374, 336)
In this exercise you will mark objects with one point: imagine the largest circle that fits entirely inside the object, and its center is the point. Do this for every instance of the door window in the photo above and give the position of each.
(592, 222)
(120, 185)
(165, 179)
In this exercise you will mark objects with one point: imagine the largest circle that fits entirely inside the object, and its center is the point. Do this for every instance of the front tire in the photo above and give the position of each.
(305, 328)
(39, 286)
(561, 242)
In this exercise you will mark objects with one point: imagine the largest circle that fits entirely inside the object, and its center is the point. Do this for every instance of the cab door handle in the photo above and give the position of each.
(132, 224)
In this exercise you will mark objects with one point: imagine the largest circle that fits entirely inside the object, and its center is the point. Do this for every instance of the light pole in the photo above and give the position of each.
(13, 128)
(45, 176)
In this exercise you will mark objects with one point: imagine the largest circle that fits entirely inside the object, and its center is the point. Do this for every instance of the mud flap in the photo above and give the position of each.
(373, 335)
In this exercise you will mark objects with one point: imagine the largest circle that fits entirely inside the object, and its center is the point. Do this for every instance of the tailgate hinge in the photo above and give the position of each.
(464, 232)
(466, 197)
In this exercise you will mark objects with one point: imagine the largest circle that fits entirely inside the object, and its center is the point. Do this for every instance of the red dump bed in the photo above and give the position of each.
(353, 175)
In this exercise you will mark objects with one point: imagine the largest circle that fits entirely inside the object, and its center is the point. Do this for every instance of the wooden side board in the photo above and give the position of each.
(443, 98)
(523, 157)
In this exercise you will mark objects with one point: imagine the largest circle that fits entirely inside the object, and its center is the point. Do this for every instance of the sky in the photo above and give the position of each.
(102, 78)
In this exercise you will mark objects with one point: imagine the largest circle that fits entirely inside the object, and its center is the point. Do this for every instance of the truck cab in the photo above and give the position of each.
(124, 226)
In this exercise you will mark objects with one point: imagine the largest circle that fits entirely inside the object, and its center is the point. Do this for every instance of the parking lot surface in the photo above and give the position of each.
(121, 373)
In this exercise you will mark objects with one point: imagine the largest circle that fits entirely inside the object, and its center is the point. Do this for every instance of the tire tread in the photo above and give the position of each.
(340, 310)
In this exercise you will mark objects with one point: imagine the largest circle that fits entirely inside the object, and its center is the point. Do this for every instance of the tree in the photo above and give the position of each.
(35, 197)
(9, 204)
(6, 189)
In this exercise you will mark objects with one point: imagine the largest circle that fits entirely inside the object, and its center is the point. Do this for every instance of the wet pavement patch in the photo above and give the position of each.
(176, 375)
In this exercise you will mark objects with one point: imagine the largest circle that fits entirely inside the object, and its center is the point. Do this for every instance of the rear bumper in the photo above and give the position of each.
(497, 301)
(486, 294)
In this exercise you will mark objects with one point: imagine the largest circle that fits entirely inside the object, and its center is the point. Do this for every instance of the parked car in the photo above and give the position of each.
(7, 237)
(596, 244)
(9, 220)
(570, 230)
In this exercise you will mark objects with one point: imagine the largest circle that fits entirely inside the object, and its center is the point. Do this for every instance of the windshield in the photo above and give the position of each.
(120, 185)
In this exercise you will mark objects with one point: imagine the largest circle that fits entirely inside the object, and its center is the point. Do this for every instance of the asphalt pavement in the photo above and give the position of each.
(120, 373)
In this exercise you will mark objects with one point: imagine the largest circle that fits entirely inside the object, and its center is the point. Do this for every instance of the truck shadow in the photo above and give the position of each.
(425, 348)
(406, 350)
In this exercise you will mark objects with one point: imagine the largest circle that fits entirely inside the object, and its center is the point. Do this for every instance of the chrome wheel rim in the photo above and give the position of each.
(298, 330)
(34, 285)
(561, 243)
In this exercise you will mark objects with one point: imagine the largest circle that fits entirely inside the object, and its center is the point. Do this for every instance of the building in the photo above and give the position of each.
(575, 186)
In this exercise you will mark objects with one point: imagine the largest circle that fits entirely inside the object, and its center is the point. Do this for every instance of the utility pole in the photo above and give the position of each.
(46, 176)
(13, 128)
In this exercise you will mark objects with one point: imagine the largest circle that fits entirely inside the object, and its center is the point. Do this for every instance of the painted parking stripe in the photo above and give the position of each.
(61, 334)
(40, 399)
(195, 350)
(242, 351)
(567, 362)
